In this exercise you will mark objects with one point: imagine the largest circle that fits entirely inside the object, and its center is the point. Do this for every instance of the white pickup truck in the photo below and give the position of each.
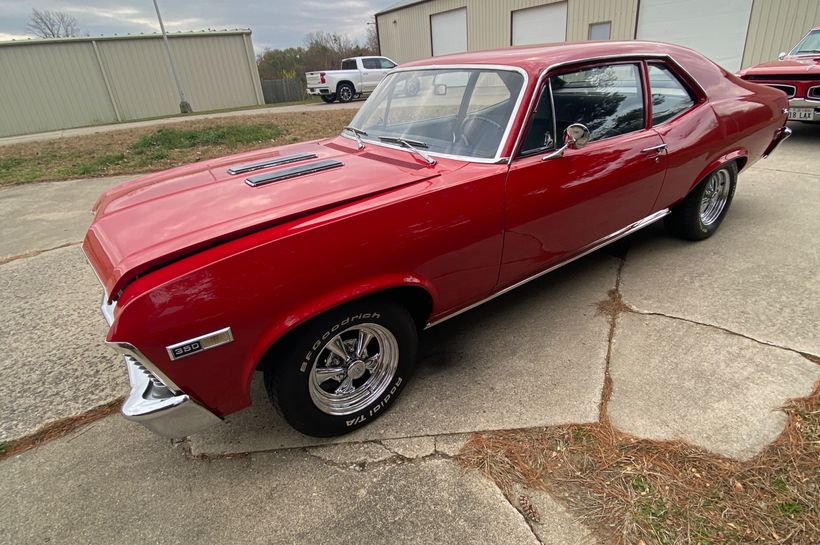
(358, 76)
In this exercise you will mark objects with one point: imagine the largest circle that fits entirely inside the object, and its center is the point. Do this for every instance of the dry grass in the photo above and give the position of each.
(634, 491)
(58, 429)
(149, 149)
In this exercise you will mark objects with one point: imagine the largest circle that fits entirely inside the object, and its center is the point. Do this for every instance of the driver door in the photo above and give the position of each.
(559, 207)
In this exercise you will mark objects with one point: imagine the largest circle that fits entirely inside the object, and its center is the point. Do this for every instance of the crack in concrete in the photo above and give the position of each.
(35, 253)
(786, 171)
(527, 521)
(361, 466)
(811, 357)
(612, 308)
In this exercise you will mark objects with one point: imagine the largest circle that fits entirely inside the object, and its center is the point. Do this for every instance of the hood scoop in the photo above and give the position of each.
(259, 165)
(292, 172)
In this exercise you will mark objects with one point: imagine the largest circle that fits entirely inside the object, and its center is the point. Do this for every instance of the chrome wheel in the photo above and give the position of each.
(715, 197)
(353, 369)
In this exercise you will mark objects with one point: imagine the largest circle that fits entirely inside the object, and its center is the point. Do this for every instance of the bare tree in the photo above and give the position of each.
(371, 42)
(53, 24)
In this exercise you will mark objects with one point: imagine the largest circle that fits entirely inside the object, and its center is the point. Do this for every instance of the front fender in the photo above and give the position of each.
(279, 326)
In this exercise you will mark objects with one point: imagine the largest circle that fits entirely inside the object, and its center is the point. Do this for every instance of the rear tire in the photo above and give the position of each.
(345, 368)
(328, 98)
(345, 92)
(700, 214)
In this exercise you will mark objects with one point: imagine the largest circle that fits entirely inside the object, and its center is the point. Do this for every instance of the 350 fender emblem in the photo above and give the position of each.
(199, 344)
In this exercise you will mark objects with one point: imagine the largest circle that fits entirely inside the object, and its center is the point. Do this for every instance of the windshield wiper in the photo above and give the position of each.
(412, 146)
(357, 133)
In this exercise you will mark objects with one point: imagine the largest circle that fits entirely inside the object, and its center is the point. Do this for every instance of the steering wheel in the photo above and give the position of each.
(476, 119)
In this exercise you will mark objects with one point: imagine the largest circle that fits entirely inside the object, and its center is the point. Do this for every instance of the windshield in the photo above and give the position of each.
(449, 111)
(809, 44)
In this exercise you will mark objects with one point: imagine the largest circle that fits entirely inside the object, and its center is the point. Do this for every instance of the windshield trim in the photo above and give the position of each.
(497, 158)
(795, 52)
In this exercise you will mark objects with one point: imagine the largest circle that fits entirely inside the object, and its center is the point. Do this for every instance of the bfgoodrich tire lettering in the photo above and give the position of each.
(345, 369)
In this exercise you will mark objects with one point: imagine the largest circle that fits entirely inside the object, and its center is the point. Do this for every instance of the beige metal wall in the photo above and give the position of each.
(777, 25)
(404, 34)
(56, 84)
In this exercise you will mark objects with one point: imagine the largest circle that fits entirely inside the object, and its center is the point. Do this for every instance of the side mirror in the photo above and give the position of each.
(440, 89)
(576, 136)
(781, 55)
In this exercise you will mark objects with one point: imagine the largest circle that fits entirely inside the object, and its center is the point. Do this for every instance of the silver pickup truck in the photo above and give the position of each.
(358, 76)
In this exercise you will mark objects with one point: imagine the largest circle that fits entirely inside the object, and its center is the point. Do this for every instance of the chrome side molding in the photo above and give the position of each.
(597, 245)
(292, 172)
(284, 160)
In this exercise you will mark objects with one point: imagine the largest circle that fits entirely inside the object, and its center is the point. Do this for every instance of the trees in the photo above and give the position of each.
(322, 50)
(53, 24)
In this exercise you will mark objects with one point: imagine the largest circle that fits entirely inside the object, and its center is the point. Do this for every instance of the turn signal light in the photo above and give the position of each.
(322, 77)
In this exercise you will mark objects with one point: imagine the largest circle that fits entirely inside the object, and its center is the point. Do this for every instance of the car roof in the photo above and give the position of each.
(534, 58)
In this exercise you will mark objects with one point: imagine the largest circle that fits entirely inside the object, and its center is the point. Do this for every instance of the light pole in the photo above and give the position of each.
(184, 105)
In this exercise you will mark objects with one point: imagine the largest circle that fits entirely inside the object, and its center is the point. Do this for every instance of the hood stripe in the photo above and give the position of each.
(292, 172)
(241, 169)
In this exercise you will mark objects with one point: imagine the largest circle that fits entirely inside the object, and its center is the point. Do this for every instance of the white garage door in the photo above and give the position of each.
(449, 30)
(715, 28)
(540, 25)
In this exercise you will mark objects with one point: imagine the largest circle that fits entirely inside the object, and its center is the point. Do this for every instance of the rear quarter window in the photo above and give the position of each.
(670, 97)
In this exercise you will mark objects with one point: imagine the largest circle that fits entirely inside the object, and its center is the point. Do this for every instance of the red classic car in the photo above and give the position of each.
(461, 178)
(797, 74)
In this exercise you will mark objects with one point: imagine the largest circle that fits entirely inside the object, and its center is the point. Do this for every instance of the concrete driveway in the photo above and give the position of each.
(716, 336)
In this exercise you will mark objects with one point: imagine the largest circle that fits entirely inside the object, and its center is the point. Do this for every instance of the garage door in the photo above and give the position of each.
(449, 31)
(716, 29)
(540, 25)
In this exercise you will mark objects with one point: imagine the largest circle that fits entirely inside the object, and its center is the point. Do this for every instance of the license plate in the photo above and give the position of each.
(801, 114)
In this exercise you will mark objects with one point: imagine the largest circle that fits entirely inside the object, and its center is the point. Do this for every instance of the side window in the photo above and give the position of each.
(607, 99)
(371, 64)
(539, 136)
(349, 64)
(386, 64)
(670, 96)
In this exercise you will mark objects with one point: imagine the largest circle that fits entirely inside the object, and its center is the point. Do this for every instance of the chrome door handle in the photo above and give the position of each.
(660, 148)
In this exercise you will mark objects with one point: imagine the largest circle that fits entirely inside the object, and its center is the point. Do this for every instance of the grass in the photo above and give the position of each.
(635, 491)
(146, 149)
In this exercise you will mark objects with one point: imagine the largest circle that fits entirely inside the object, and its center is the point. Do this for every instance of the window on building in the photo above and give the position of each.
(670, 96)
(600, 31)
(607, 99)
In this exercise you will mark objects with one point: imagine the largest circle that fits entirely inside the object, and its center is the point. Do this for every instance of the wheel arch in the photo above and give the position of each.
(416, 296)
(338, 84)
(739, 156)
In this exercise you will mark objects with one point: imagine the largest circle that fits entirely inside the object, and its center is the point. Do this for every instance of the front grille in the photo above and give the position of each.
(156, 382)
(792, 77)
(814, 92)
(788, 89)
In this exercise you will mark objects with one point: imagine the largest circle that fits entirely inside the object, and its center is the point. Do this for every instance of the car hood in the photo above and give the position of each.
(787, 67)
(160, 217)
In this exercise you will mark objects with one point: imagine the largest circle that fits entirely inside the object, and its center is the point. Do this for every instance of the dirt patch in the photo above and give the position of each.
(148, 149)
(638, 491)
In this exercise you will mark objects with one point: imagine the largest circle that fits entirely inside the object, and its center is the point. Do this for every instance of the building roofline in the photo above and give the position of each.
(399, 6)
(40, 41)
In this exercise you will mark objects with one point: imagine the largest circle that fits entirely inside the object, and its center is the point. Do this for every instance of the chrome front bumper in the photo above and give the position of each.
(157, 407)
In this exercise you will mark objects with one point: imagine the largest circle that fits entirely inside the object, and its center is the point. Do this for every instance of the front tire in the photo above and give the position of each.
(345, 92)
(345, 368)
(700, 214)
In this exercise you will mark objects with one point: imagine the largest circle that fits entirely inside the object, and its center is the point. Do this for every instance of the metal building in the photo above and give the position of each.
(733, 33)
(72, 82)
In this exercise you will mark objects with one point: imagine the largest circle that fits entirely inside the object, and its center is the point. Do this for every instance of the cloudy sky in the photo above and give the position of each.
(275, 23)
